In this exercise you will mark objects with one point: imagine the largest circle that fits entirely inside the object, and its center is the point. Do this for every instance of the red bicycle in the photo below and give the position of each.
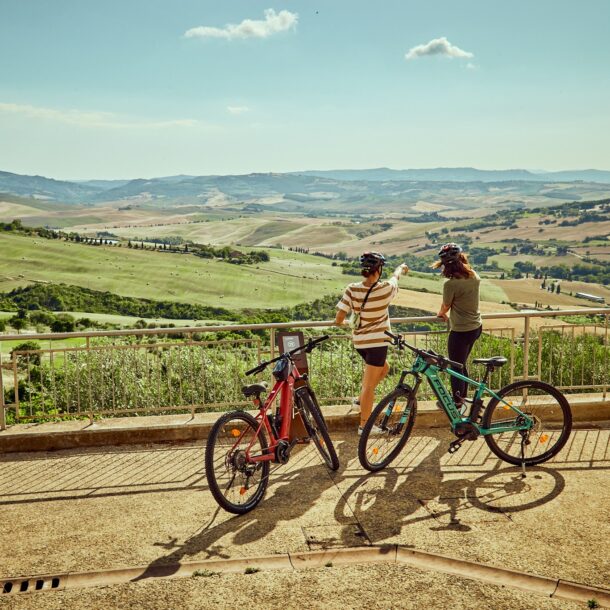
(238, 455)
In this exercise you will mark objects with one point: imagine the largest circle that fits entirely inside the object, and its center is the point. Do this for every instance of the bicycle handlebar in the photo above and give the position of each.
(308, 347)
(399, 342)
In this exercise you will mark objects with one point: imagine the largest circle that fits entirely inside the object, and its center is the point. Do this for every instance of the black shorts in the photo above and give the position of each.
(375, 356)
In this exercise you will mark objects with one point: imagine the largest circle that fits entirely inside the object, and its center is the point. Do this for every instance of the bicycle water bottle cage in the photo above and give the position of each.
(256, 389)
(282, 369)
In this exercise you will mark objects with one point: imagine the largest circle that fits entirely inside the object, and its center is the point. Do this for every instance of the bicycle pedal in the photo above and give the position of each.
(454, 446)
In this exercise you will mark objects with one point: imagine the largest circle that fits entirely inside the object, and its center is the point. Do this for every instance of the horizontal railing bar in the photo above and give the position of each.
(147, 346)
(295, 324)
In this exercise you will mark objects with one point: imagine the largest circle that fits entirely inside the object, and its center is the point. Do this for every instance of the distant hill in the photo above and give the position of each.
(461, 174)
(296, 191)
(39, 187)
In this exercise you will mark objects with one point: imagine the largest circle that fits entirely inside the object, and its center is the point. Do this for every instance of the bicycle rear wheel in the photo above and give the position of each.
(314, 423)
(237, 484)
(552, 422)
(387, 429)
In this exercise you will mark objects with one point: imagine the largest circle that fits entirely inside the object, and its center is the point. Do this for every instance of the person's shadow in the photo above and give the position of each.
(382, 504)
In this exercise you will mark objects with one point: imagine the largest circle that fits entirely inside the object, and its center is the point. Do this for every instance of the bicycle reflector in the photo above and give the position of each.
(235, 432)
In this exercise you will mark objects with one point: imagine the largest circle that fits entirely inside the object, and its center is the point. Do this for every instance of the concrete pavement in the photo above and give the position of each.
(96, 508)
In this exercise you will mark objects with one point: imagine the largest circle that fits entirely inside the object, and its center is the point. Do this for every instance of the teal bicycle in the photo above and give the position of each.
(524, 423)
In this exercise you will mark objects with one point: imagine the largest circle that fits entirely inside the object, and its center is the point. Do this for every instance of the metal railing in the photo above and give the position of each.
(147, 371)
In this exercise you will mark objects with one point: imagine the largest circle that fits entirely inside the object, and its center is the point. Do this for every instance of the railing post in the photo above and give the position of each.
(272, 339)
(2, 407)
(526, 347)
(607, 346)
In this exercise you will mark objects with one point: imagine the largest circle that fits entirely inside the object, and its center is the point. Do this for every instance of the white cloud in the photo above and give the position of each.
(236, 110)
(248, 28)
(438, 46)
(91, 119)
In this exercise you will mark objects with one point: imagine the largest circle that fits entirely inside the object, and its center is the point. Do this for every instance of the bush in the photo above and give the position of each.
(63, 323)
(26, 346)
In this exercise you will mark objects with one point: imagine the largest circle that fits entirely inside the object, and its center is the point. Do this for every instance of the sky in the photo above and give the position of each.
(143, 88)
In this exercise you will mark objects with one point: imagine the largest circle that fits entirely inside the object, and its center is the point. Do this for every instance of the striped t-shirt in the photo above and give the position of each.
(375, 317)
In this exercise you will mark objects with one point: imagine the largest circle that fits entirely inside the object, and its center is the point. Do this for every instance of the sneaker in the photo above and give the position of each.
(375, 431)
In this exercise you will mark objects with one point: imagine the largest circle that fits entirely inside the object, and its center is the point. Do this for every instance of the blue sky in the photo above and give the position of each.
(142, 88)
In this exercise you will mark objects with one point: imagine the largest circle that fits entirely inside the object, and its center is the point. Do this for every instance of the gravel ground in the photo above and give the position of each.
(334, 588)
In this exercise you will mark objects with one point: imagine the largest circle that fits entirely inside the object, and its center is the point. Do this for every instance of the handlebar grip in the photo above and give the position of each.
(257, 369)
(389, 334)
(308, 347)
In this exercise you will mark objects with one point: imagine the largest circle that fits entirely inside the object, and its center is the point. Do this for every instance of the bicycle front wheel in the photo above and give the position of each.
(236, 483)
(314, 423)
(387, 430)
(552, 416)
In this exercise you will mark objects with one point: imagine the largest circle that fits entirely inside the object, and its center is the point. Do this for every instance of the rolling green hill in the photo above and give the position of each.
(287, 279)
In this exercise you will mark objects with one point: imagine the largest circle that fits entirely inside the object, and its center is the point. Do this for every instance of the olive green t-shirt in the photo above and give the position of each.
(463, 296)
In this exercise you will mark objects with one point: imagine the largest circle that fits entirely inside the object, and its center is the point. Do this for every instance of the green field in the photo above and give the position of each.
(289, 278)
(7, 346)
(507, 261)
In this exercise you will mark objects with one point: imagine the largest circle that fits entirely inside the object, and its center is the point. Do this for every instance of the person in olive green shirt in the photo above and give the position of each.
(461, 298)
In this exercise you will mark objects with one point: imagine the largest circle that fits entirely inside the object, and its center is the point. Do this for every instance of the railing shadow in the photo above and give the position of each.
(115, 471)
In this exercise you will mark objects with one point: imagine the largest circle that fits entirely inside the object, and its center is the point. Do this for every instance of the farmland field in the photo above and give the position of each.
(163, 276)
(528, 291)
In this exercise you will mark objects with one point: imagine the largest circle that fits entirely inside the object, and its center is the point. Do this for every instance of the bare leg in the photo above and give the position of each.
(370, 380)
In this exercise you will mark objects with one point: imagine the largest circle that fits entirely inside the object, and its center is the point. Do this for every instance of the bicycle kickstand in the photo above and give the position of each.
(523, 475)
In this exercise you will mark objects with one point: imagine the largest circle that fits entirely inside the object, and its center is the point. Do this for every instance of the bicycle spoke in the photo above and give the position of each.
(387, 430)
(236, 482)
(544, 426)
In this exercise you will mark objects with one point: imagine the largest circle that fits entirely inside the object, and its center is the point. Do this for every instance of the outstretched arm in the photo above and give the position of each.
(401, 270)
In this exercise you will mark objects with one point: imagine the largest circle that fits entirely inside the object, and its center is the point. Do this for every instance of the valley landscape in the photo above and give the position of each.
(142, 238)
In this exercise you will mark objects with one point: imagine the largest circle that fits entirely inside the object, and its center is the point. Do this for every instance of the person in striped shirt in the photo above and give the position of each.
(370, 300)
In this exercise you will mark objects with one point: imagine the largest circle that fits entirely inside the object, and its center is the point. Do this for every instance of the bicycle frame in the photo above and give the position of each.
(286, 391)
(431, 373)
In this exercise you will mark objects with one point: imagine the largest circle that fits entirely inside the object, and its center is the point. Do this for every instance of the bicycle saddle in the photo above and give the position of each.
(254, 390)
(493, 362)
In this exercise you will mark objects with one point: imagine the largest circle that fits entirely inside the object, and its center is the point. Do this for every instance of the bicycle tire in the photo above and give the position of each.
(552, 401)
(250, 425)
(403, 433)
(317, 430)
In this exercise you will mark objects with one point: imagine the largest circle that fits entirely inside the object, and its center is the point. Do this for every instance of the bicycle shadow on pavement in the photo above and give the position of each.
(294, 491)
(385, 503)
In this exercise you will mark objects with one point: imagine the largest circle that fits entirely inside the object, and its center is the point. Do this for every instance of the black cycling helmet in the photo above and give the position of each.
(449, 253)
(370, 261)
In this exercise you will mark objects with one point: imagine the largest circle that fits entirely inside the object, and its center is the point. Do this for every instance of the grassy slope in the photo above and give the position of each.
(288, 280)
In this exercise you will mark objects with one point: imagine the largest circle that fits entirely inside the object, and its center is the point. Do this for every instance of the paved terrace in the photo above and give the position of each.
(148, 505)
